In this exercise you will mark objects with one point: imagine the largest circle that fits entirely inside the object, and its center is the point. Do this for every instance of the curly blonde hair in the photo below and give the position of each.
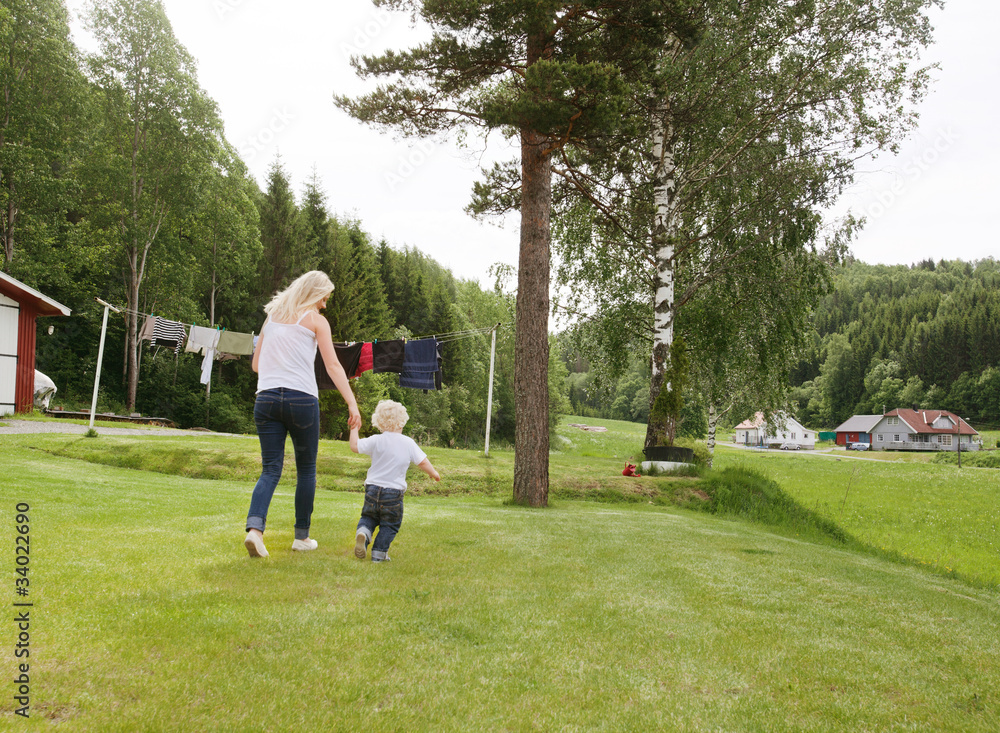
(389, 416)
(303, 293)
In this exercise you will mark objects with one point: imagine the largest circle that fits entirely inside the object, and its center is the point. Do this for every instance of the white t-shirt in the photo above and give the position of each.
(392, 454)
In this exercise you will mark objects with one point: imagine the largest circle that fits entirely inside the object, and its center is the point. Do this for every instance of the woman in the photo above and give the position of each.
(288, 400)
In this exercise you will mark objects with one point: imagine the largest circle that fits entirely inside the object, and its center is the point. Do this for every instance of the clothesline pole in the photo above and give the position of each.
(100, 359)
(489, 398)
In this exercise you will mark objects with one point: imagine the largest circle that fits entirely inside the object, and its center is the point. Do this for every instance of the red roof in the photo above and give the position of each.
(922, 421)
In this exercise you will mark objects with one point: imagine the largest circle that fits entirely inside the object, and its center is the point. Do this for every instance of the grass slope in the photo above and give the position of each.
(584, 616)
(931, 514)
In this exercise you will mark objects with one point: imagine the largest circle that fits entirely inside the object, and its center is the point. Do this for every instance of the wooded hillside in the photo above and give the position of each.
(927, 335)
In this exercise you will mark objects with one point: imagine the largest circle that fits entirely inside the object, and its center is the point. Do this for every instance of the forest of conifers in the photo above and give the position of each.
(899, 336)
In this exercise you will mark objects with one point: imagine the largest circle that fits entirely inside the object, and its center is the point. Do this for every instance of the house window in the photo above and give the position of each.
(793, 436)
(895, 438)
(945, 440)
(894, 421)
(880, 437)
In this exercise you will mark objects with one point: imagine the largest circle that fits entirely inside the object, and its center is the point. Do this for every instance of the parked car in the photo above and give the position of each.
(858, 446)
(790, 446)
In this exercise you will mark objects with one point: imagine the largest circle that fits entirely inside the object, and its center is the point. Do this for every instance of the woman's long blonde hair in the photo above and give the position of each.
(304, 292)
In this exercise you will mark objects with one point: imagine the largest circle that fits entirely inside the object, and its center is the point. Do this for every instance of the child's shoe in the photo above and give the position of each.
(380, 556)
(304, 545)
(360, 546)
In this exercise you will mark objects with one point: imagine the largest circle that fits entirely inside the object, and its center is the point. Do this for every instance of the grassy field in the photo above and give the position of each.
(934, 515)
(617, 614)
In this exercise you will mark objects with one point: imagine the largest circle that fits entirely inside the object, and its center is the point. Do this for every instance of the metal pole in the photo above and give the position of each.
(489, 398)
(100, 358)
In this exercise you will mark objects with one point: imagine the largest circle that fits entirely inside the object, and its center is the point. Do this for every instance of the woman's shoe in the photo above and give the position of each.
(304, 545)
(254, 543)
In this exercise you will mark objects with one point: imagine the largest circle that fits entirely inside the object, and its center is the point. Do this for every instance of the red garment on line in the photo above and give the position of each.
(365, 361)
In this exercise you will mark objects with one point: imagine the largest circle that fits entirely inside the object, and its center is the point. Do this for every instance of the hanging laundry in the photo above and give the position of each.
(323, 381)
(365, 361)
(347, 356)
(387, 356)
(206, 366)
(170, 334)
(146, 333)
(232, 342)
(421, 365)
(201, 339)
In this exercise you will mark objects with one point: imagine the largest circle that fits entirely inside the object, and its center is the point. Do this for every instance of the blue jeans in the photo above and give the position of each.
(279, 413)
(383, 509)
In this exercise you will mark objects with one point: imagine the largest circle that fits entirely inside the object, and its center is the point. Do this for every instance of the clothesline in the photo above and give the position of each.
(152, 315)
(417, 360)
(459, 335)
(441, 337)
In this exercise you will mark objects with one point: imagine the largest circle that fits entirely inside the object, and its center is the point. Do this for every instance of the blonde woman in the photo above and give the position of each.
(288, 400)
(391, 453)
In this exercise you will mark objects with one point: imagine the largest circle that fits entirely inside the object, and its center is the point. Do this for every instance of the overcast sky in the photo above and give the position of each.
(272, 68)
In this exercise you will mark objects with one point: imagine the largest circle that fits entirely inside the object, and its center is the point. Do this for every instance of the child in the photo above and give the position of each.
(392, 453)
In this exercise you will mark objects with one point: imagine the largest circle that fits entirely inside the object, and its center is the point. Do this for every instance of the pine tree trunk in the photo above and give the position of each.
(664, 227)
(531, 360)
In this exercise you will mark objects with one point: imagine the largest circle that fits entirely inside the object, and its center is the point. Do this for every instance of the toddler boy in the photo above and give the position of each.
(391, 453)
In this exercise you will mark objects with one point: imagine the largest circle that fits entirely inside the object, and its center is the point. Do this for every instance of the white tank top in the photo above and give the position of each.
(287, 357)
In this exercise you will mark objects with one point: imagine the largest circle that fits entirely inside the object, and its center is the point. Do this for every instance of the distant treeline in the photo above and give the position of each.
(898, 336)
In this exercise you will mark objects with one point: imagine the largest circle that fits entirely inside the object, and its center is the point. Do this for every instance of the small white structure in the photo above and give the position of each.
(782, 429)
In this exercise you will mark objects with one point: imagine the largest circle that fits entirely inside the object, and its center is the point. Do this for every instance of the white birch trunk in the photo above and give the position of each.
(664, 229)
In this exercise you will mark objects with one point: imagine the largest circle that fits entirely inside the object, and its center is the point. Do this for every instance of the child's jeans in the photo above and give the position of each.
(383, 509)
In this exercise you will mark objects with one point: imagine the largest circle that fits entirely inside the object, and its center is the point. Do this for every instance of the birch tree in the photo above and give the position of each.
(752, 132)
(550, 76)
(157, 134)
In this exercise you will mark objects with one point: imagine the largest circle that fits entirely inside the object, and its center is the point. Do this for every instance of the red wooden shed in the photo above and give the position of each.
(19, 307)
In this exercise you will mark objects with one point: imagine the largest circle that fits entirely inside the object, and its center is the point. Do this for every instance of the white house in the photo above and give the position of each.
(780, 430)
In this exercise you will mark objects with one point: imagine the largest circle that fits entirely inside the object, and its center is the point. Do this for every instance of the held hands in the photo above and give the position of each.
(354, 419)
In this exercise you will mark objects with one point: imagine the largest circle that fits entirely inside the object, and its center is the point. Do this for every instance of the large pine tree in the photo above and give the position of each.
(550, 75)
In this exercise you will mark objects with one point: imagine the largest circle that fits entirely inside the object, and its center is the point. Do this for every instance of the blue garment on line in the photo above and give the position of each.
(421, 364)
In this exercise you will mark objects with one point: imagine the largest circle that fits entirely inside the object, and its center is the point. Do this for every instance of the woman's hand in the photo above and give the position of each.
(354, 418)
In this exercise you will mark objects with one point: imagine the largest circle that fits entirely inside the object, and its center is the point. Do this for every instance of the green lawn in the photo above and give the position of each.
(584, 616)
(936, 515)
